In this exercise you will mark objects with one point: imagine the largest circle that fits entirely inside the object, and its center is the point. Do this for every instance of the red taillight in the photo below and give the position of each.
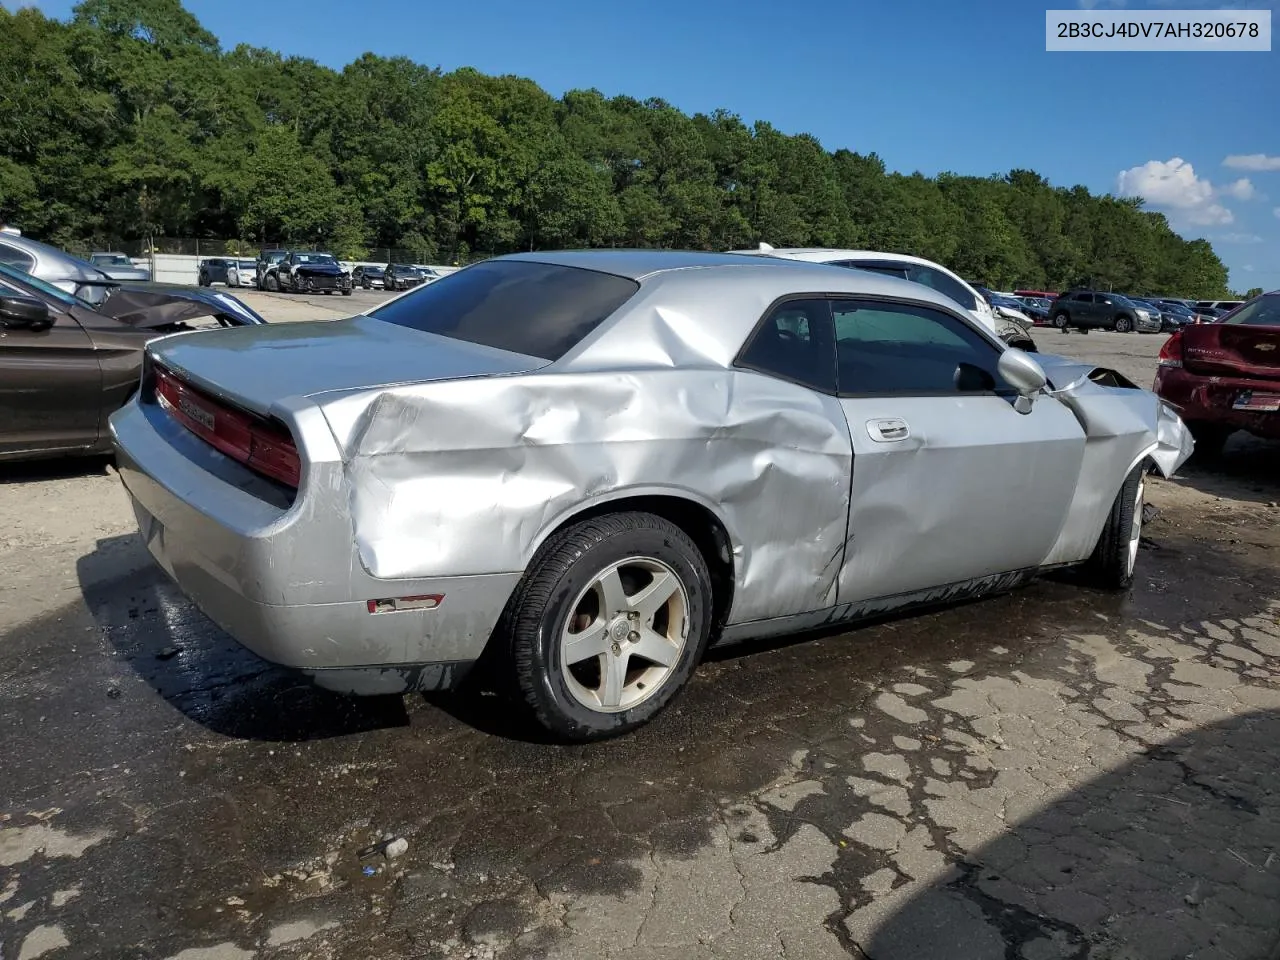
(1171, 352)
(258, 444)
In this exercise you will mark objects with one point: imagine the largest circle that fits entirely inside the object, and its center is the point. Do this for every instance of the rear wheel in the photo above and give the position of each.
(1122, 324)
(1116, 554)
(272, 283)
(609, 624)
(1061, 320)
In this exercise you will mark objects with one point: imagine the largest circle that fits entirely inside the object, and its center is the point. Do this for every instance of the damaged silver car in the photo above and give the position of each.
(589, 466)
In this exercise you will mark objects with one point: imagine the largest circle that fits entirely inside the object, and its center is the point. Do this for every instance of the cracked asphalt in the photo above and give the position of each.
(1055, 773)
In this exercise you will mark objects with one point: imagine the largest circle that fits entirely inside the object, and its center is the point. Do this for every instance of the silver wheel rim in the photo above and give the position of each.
(1135, 531)
(624, 634)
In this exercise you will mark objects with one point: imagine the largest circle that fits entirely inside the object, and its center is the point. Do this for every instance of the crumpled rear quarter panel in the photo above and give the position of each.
(469, 476)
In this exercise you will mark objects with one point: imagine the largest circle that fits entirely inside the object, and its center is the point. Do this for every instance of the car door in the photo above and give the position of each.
(1081, 309)
(50, 385)
(950, 483)
(793, 523)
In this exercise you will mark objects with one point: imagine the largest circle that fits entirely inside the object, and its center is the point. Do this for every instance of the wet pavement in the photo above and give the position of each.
(1055, 773)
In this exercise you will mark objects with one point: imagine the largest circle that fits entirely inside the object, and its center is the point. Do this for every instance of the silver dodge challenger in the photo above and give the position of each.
(590, 466)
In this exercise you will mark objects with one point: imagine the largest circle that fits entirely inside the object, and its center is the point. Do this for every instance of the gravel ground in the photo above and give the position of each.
(1054, 773)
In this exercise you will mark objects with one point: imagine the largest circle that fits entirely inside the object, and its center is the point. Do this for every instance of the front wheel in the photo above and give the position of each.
(1116, 554)
(272, 283)
(1122, 325)
(608, 624)
(347, 292)
(1060, 320)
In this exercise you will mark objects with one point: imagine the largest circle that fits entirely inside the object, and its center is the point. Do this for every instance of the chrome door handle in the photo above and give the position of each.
(888, 431)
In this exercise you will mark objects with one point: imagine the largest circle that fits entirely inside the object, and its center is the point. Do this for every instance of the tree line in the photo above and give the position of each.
(129, 120)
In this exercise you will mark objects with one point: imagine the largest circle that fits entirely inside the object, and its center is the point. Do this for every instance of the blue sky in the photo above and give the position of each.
(961, 85)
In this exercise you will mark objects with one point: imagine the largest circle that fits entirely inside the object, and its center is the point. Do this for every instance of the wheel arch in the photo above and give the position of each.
(696, 516)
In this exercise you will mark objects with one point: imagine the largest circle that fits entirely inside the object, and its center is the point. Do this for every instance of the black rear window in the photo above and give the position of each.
(537, 309)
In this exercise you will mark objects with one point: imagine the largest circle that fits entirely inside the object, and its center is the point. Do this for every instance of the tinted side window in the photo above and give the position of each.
(794, 343)
(943, 284)
(1082, 297)
(14, 257)
(894, 348)
(536, 309)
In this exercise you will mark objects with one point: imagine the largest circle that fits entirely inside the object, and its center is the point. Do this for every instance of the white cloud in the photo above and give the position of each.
(1239, 238)
(1252, 161)
(1276, 211)
(1172, 185)
(1242, 189)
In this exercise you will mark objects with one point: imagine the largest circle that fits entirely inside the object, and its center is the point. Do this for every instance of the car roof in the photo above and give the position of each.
(728, 293)
(828, 254)
(776, 276)
(637, 264)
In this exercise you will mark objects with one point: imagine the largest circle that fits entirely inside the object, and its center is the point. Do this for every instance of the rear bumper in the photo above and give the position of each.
(285, 581)
(1202, 399)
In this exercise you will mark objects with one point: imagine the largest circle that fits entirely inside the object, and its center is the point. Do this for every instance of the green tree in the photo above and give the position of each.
(285, 193)
(130, 119)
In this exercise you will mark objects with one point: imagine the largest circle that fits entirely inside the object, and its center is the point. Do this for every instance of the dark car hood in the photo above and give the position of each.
(153, 305)
(319, 269)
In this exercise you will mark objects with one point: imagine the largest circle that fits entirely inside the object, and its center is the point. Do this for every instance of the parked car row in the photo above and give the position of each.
(298, 271)
(233, 272)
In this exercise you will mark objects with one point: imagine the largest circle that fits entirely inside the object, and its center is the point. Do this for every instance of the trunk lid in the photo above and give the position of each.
(1232, 350)
(256, 367)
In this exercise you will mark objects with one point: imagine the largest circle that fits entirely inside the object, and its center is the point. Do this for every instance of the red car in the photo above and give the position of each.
(1225, 376)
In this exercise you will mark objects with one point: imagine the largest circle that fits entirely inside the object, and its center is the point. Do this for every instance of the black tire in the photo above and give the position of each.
(346, 293)
(540, 608)
(272, 283)
(1122, 324)
(1061, 320)
(1112, 564)
(1210, 438)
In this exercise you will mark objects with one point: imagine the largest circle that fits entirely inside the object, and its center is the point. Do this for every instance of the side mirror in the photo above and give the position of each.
(24, 313)
(1020, 371)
